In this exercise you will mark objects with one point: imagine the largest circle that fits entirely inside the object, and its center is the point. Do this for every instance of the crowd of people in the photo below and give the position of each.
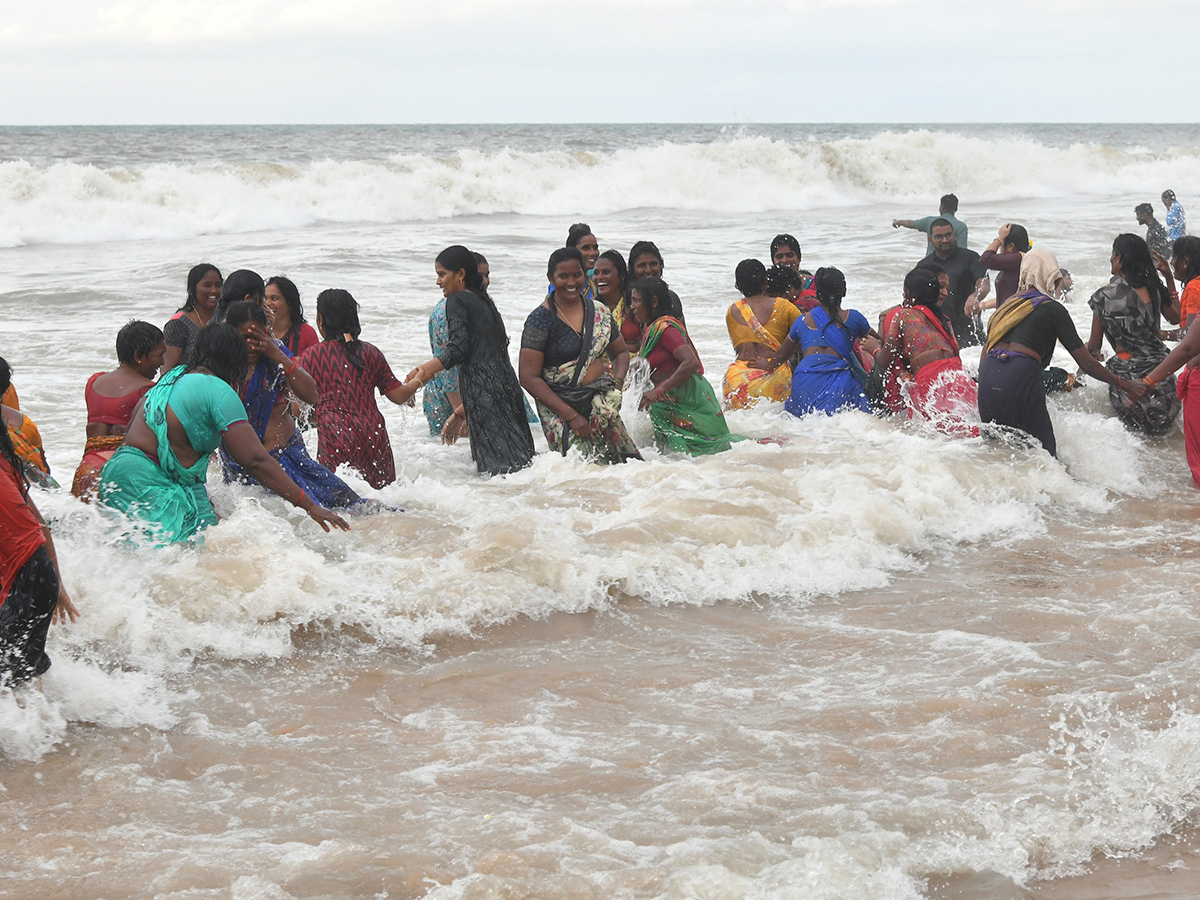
(238, 369)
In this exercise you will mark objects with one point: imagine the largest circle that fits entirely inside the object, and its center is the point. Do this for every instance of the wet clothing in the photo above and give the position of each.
(1011, 392)
(964, 269)
(1189, 301)
(297, 340)
(492, 398)
(111, 410)
(1009, 267)
(350, 426)
(99, 450)
(1188, 390)
(1176, 221)
(822, 381)
(1157, 240)
(1135, 326)
(180, 331)
(434, 401)
(20, 531)
(25, 620)
(1042, 328)
(166, 496)
(265, 392)
(744, 385)
(688, 419)
(566, 356)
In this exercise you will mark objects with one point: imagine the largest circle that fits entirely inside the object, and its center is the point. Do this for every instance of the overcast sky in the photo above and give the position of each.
(343, 61)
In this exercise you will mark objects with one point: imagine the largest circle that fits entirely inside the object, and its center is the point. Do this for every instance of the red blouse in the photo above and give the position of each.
(111, 410)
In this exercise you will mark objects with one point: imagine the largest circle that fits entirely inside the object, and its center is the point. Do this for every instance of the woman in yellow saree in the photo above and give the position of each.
(758, 325)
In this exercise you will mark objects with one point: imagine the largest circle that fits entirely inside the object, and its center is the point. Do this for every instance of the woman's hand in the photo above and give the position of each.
(455, 427)
(64, 609)
(649, 398)
(258, 341)
(325, 518)
(1162, 265)
(1135, 390)
(581, 426)
(870, 345)
(1002, 234)
(415, 374)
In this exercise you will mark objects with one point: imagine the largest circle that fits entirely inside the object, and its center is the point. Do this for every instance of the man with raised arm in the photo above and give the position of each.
(947, 207)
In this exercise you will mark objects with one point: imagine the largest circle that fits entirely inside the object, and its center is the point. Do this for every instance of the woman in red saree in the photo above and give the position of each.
(920, 339)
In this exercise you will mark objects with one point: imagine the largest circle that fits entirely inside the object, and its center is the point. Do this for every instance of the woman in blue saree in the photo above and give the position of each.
(271, 374)
(830, 376)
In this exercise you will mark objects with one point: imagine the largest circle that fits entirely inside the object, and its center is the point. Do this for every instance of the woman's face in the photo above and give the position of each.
(786, 256)
(208, 291)
(277, 310)
(590, 249)
(637, 306)
(247, 330)
(568, 279)
(647, 266)
(147, 366)
(450, 282)
(485, 273)
(608, 279)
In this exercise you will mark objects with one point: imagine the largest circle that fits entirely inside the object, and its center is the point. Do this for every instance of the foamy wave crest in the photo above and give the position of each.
(70, 202)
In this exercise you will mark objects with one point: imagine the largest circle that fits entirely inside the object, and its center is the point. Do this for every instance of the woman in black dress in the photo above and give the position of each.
(493, 408)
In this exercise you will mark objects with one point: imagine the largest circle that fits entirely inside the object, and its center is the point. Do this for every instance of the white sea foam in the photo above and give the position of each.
(69, 202)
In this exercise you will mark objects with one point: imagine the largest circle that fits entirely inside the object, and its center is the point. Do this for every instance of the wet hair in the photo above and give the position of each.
(457, 257)
(615, 257)
(7, 451)
(932, 265)
(641, 248)
(785, 240)
(1168, 195)
(238, 286)
(1019, 237)
(939, 222)
(195, 276)
(780, 278)
(921, 286)
(1146, 208)
(339, 313)
(656, 296)
(480, 259)
(577, 233)
(291, 295)
(557, 258)
(949, 203)
(220, 349)
(1137, 266)
(830, 285)
(137, 337)
(1188, 247)
(245, 311)
(750, 277)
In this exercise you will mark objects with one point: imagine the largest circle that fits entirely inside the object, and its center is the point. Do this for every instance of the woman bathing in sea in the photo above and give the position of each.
(758, 324)
(203, 291)
(112, 397)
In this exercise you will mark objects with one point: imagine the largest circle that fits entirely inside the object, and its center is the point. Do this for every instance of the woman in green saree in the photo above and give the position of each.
(683, 406)
(158, 475)
(564, 346)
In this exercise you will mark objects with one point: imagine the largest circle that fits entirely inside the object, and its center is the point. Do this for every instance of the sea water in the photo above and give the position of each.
(863, 661)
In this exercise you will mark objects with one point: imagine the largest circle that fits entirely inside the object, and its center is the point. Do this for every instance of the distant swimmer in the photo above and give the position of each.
(157, 477)
(1020, 343)
(32, 594)
(947, 207)
(1176, 220)
(112, 397)
(968, 280)
(1156, 235)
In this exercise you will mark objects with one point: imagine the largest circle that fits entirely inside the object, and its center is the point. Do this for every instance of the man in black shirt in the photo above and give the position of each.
(969, 283)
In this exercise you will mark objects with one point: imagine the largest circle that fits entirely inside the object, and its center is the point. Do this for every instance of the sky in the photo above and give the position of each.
(373, 61)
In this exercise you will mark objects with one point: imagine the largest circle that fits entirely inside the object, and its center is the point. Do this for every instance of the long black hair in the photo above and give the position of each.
(922, 288)
(291, 295)
(339, 315)
(1137, 267)
(220, 349)
(195, 276)
(238, 286)
(830, 285)
(457, 258)
(245, 311)
(615, 257)
(6, 445)
(1188, 247)
(656, 297)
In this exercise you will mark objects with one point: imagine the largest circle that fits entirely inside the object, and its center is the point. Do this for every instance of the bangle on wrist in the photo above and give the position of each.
(300, 501)
(295, 365)
(459, 412)
(1149, 382)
